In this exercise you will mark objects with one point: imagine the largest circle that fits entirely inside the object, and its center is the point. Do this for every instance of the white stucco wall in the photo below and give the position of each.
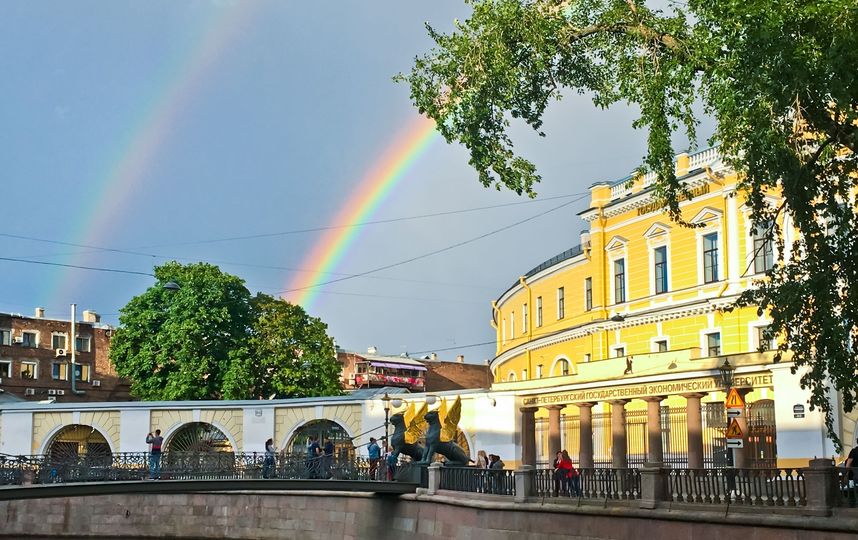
(17, 434)
(258, 428)
(797, 438)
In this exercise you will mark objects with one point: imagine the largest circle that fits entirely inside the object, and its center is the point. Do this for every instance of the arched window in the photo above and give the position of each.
(76, 442)
(321, 429)
(198, 437)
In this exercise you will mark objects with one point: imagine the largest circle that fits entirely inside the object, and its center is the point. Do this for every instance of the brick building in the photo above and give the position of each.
(373, 370)
(35, 359)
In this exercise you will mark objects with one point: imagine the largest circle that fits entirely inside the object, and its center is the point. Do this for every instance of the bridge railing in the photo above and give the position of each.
(475, 480)
(42, 469)
(748, 487)
(613, 484)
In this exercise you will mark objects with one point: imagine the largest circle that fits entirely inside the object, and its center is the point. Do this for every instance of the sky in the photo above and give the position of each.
(141, 132)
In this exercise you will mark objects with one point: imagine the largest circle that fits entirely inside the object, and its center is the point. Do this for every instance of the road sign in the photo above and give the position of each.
(733, 430)
(734, 413)
(735, 443)
(734, 400)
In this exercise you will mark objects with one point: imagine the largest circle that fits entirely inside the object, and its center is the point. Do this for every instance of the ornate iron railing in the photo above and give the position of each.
(613, 484)
(474, 480)
(749, 487)
(190, 466)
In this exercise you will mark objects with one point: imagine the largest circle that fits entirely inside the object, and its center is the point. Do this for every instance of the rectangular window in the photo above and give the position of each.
(619, 281)
(82, 344)
(661, 345)
(81, 372)
(29, 339)
(539, 371)
(561, 302)
(564, 367)
(29, 370)
(59, 371)
(713, 344)
(710, 258)
(586, 357)
(524, 318)
(512, 325)
(523, 374)
(660, 269)
(764, 342)
(58, 341)
(588, 294)
(5, 337)
(619, 352)
(763, 256)
(6, 369)
(538, 311)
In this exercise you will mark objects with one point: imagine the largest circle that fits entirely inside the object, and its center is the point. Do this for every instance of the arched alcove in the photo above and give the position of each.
(321, 429)
(78, 441)
(198, 437)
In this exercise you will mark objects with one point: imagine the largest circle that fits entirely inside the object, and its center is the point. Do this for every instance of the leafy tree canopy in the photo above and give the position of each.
(210, 339)
(778, 76)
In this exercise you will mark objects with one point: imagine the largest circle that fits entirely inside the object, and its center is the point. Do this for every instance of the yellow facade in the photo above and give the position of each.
(640, 311)
(629, 227)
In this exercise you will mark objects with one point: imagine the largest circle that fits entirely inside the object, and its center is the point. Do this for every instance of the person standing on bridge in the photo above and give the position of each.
(374, 457)
(268, 462)
(156, 441)
(328, 456)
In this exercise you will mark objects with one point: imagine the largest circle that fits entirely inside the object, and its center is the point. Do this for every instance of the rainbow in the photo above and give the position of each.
(364, 200)
(173, 89)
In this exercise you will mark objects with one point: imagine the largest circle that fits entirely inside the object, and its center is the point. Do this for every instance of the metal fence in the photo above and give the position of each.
(749, 487)
(190, 466)
(600, 483)
(473, 480)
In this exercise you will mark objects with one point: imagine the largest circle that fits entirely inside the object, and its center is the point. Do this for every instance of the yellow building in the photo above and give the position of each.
(616, 344)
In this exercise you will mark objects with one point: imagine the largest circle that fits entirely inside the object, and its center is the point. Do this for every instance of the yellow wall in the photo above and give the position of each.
(632, 233)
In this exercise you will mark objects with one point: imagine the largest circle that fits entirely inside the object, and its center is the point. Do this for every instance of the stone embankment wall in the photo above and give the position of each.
(325, 515)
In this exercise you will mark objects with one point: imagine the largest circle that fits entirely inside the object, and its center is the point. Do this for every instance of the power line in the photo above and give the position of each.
(471, 346)
(94, 268)
(365, 223)
(437, 251)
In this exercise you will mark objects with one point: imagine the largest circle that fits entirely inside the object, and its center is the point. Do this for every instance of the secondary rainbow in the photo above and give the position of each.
(146, 131)
(364, 200)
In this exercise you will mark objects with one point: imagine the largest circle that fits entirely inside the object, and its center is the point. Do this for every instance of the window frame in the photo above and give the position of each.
(524, 318)
(34, 364)
(617, 348)
(24, 341)
(561, 303)
(7, 333)
(55, 335)
(83, 339)
(539, 312)
(7, 374)
(704, 341)
(768, 254)
(588, 293)
(660, 286)
(61, 374)
(620, 279)
(656, 340)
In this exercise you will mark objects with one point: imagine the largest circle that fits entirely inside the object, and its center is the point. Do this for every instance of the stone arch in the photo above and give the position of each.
(72, 441)
(199, 437)
(295, 442)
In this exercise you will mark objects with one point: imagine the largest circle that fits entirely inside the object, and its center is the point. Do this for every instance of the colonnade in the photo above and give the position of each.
(619, 458)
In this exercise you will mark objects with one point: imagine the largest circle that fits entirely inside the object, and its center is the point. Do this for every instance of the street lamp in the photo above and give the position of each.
(388, 401)
(726, 371)
(171, 286)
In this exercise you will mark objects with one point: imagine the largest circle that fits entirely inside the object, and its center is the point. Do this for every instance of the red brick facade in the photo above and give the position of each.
(31, 367)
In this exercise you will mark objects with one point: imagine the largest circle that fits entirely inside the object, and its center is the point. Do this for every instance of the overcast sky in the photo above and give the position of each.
(148, 126)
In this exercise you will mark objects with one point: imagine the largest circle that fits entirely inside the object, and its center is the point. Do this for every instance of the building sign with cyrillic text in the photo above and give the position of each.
(654, 206)
(648, 389)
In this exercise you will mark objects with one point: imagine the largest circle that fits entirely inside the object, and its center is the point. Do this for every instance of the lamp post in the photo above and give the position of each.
(388, 401)
(726, 372)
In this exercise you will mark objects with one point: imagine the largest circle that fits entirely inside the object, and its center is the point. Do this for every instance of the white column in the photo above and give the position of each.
(797, 438)
(16, 438)
(258, 428)
(134, 424)
(734, 258)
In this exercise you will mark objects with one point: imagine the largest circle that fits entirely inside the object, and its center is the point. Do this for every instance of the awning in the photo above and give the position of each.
(398, 366)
